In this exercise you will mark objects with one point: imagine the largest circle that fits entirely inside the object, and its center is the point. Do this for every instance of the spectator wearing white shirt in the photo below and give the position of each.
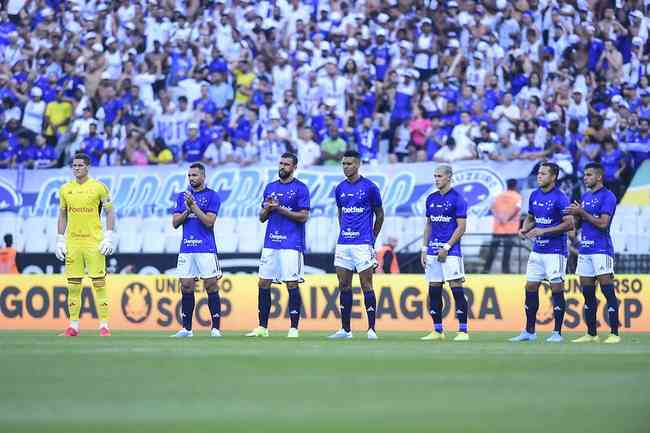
(34, 112)
(506, 115)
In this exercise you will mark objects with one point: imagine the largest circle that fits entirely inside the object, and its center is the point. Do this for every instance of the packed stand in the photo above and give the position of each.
(239, 82)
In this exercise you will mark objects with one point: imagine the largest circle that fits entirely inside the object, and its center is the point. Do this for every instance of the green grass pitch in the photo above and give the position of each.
(147, 382)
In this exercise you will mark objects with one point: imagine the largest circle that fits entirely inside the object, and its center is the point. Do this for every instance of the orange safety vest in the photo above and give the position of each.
(394, 266)
(8, 261)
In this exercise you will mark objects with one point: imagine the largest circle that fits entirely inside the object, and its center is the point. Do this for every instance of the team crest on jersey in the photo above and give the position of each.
(9, 198)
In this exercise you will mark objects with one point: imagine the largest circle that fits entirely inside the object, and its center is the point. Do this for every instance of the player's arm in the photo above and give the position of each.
(109, 213)
(425, 242)
(178, 219)
(61, 225)
(300, 216)
(379, 221)
(207, 218)
(461, 224)
(579, 213)
(565, 225)
(528, 225)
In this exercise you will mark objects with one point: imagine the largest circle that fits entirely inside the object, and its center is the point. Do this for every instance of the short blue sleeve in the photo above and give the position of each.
(336, 197)
(461, 207)
(609, 204)
(562, 202)
(214, 204)
(303, 198)
(180, 204)
(265, 194)
(531, 209)
(374, 196)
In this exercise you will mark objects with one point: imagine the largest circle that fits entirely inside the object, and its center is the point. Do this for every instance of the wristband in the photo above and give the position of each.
(446, 247)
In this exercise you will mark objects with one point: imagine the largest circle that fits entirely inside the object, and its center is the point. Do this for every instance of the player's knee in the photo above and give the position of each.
(99, 282)
(264, 284)
(605, 280)
(292, 285)
(74, 280)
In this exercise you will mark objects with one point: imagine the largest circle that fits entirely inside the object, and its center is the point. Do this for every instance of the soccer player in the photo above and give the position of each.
(441, 257)
(81, 243)
(547, 225)
(596, 254)
(196, 210)
(359, 202)
(285, 206)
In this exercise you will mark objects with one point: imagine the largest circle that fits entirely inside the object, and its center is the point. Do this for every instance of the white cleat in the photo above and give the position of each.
(341, 334)
(183, 333)
(525, 336)
(555, 337)
(293, 333)
(372, 335)
(215, 333)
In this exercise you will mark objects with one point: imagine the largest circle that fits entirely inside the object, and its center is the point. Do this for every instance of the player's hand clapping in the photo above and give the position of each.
(575, 209)
(190, 203)
(532, 234)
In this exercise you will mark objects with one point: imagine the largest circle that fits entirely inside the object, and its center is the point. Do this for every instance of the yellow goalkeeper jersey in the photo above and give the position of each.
(83, 204)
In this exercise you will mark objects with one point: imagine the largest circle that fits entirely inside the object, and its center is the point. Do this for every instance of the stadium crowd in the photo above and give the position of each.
(240, 82)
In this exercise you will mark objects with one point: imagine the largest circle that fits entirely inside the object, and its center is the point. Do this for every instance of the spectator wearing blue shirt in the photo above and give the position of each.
(43, 155)
(7, 156)
(193, 147)
(204, 104)
(613, 161)
(113, 111)
(366, 138)
(644, 106)
(24, 153)
(220, 91)
(93, 145)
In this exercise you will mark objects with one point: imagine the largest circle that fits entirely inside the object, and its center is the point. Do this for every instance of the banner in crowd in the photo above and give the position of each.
(153, 303)
(638, 193)
(153, 190)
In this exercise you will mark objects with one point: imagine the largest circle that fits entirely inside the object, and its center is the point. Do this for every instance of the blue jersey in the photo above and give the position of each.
(197, 238)
(281, 231)
(594, 240)
(193, 149)
(443, 212)
(356, 202)
(547, 208)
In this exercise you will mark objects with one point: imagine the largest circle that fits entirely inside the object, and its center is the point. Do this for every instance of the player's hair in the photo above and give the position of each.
(595, 166)
(555, 169)
(446, 168)
(291, 156)
(82, 156)
(198, 165)
(352, 154)
(511, 184)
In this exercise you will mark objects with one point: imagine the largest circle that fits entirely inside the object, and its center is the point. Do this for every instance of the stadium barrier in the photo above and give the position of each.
(153, 303)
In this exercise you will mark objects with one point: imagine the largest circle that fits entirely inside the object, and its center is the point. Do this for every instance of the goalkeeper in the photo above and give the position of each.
(81, 243)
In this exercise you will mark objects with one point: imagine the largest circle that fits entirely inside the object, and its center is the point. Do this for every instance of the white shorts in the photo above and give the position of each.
(355, 257)
(550, 267)
(451, 269)
(281, 265)
(198, 265)
(593, 265)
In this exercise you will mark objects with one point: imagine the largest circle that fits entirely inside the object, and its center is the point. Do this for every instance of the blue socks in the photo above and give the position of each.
(371, 307)
(345, 299)
(559, 305)
(461, 307)
(591, 306)
(187, 309)
(264, 306)
(531, 306)
(435, 306)
(612, 307)
(295, 303)
(214, 303)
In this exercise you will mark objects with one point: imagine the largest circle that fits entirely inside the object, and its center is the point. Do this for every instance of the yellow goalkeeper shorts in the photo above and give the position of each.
(84, 260)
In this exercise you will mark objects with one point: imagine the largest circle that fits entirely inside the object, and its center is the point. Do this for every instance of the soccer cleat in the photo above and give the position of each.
(586, 339)
(525, 336)
(372, 335)
(555, 337)
(434, 335)
(104, 331)
(341, 334)
(612, 339)
(214, 332)
(183, 333)
(461, 336)
(293, 333)
(69, 332)
(258, 332)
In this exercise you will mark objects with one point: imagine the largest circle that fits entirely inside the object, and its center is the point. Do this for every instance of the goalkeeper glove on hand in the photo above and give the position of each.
(107, 246)
(60, 251)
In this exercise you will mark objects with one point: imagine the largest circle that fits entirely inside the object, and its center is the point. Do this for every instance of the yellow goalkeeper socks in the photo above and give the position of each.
(99, 284)
(74, 299)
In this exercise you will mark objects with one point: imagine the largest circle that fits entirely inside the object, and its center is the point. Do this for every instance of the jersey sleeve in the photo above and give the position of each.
(303, 198)
(336, 197)
(427, 203)
(265, 194)
(214, 204)
(561, 204)
(531, 209)
(461, 207)
(374, 196)
(609, 204)
(104, 195)
(180, 204)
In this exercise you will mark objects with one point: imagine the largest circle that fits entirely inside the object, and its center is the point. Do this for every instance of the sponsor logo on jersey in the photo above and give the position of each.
(277, 237)
(440, 219)
(349, 233)
(543, 220)
(352, 209)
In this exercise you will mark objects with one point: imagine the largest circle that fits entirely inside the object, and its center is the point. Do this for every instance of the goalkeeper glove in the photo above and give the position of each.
(107, 246)
(60, 251)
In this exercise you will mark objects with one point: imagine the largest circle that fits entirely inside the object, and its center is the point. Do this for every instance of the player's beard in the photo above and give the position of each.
(284, 175)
